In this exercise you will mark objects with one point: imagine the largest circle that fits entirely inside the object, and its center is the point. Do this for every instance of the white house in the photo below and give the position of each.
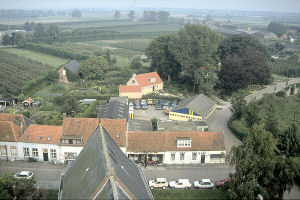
(40, 142)
(12, 126)
(191, 147)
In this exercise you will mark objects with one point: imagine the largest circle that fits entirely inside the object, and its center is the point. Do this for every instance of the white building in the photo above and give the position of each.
(177, 147)
(40, 142)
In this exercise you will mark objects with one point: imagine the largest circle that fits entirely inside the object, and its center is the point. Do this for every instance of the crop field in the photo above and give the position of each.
(17, 71)
(39, 57)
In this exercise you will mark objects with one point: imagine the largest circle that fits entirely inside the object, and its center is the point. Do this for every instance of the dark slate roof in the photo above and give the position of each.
(200, 104)
(73, 66)
(114, 110)
(103, 171)
(27, 121)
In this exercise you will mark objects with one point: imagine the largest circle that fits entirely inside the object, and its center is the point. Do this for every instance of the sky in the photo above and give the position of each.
(255, 5)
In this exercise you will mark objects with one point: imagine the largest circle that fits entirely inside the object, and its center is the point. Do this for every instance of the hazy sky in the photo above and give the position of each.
(258, 5)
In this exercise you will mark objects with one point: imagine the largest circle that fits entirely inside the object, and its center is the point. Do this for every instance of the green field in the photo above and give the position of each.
(188, 194)
(39, 57)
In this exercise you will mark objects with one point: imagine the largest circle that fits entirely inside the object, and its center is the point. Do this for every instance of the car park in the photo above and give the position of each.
(222, 182)
(23, 175)
(203, 184)
(180, 184)
(158, 183)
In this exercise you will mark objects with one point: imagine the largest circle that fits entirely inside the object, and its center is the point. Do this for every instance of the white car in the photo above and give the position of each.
(158, 183)
(180, 183)
(204, 183)
(23, 175)
(143, 102)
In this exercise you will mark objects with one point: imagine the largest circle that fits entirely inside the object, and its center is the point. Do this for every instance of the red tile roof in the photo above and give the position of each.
(85, 127)
(17, 119)
(130, 88)
(9, 132)
(42, 134)
(166, 141)
(144, 79)
(29, 100)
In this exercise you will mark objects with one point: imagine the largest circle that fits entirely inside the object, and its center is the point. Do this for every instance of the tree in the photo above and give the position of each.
(53, 31)
(244, 62)
(76, 13)
(107, 55)
(289, 144)
(149, 16)
(278, 28)
(162, 59)
(136, 63)
(196, 50)
(131, 15)
(93, 68)
(6, 40)
(117, 14)
(259, 170)
(253, 114)
(238, 106)
(39, 32)
(71, 105)
(163, 16)
(236, 44)
(52, 76)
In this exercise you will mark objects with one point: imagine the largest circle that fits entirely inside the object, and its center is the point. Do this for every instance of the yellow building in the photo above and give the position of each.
(196, 108)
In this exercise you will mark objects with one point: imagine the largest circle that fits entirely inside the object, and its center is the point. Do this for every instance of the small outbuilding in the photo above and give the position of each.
(28, 102)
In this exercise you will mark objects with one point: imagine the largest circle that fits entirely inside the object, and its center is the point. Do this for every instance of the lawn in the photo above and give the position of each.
(188, 194)
(39, 57)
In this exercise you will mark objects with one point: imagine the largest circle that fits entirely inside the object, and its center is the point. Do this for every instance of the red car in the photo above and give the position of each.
(222, 182)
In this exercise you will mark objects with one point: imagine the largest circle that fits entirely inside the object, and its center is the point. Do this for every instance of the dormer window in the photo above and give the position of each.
(183, 142)
(152, 80)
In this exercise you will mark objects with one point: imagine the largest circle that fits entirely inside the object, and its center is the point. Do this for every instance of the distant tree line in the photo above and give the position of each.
(278, 28)
(153, 16)
(18, 13)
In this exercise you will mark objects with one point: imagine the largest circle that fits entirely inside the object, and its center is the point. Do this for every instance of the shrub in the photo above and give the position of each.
(30, 159)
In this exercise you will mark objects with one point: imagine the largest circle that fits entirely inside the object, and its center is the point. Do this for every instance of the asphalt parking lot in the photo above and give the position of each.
(150, 113)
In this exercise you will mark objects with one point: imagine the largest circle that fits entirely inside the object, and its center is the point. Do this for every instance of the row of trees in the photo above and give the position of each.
(40, 34)
(192, 57)
(264, 162)
(278, 28)
(18, 13)
(153, 16)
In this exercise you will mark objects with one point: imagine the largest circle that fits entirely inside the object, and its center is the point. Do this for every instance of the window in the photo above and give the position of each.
(182, 156)
(35, 153)
(70, 156)
(53, 153)
(13, 151)
(172, 156)
(3, 150)
(26, 151)
(194, 156)
(183, 142)
(215, 156)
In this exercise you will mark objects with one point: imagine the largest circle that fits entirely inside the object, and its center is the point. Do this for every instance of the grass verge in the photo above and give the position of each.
(188, 194)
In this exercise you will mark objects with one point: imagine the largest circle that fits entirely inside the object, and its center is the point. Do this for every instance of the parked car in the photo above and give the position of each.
(222, 182)
(130, 104)
(137, 105)
(23, 175)
(149, 101)
(180, 183)
(174, 102)
(162, 102)
(158, 106)
(144, 106)
(143, 102)
(155, 102)
(204, 183)
(158, 183)
(166, 105)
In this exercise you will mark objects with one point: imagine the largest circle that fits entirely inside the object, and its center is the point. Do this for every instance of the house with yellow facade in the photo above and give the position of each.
(141, 84)
(195, 108)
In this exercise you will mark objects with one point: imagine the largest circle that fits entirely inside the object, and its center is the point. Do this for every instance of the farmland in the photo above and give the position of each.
(39, 57)
(17, 72)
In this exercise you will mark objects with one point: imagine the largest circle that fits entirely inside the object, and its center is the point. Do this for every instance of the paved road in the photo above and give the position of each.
(217, 121)
(47, 175)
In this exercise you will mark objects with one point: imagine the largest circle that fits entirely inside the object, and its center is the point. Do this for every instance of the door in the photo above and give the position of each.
(202, 158)
(45, 155)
